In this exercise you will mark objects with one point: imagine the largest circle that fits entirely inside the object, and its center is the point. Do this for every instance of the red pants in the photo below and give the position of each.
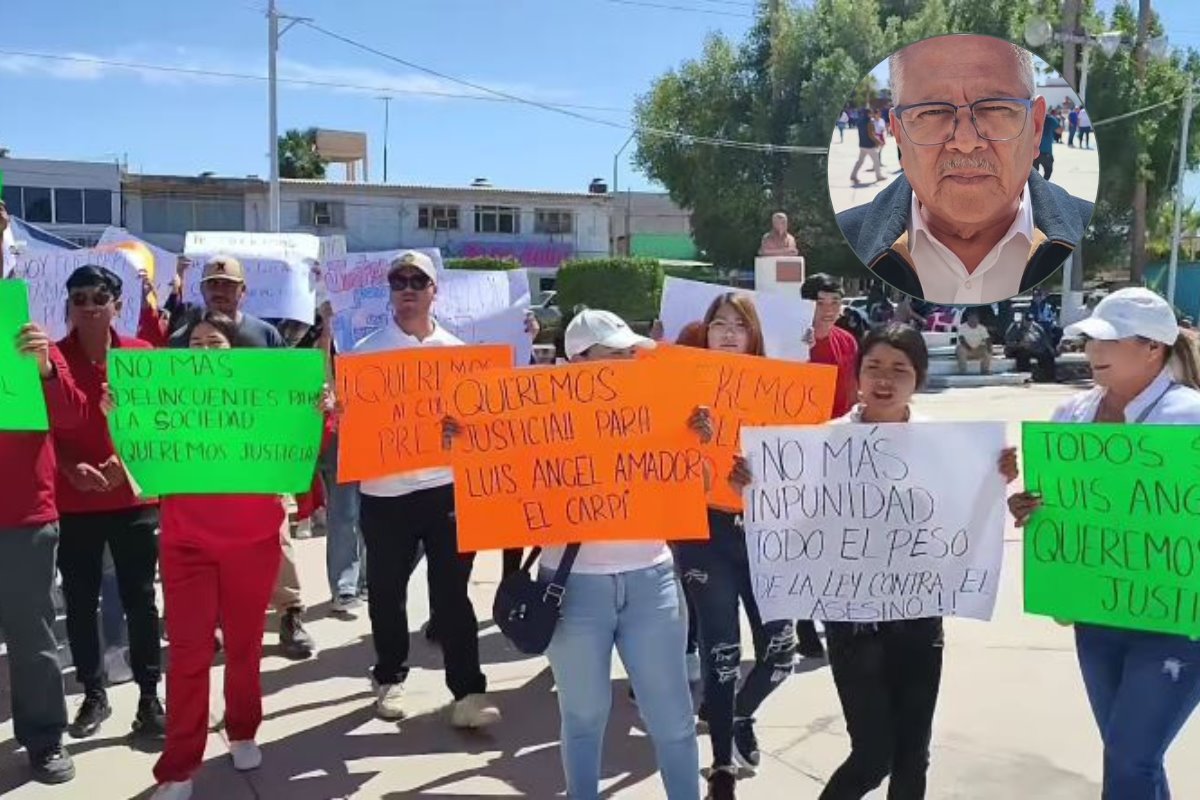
(226, 581)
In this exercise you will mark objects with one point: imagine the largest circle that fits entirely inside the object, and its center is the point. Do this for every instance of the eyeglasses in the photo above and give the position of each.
(723, 326)
(996, 119)
(100, 297)
(418, 282)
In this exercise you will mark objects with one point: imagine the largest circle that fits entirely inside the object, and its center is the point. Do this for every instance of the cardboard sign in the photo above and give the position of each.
(217, 421)
(392, 401)
(784, 317)
(580, 453)
(873, 523)
(746, 390)
(1116, 541)
(46, 272)
(22, 402)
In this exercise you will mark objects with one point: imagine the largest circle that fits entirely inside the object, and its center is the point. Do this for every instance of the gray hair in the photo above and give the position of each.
(1024, 67)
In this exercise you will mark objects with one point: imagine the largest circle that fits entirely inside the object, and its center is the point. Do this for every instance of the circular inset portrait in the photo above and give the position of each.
(963, 170)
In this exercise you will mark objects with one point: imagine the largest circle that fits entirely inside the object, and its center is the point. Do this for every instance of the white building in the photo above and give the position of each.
(541, 229)
(1057, 92)
(76, 200)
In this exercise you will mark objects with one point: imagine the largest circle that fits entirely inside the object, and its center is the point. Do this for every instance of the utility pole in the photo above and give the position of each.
(387, 103)
(1072, 294)
(272, 112)
(1137, 237)
(1176, 232)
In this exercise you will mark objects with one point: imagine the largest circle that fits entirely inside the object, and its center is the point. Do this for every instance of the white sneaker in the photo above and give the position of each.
(474, 711)
(389, 701)
(246, 755)
(179, 790)
(347, 605)
(303, 529)
(116, 665)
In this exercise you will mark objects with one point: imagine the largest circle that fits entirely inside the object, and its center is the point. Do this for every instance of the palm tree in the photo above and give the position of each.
(298, 156)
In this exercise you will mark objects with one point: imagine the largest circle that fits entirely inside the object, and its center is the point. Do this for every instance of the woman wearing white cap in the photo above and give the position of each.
(1142, 686)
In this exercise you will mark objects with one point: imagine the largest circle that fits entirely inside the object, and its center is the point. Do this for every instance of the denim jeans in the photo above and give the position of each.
(642, 613)
(112, 614)
(717, 574)
(1142, 688)
(344, 550)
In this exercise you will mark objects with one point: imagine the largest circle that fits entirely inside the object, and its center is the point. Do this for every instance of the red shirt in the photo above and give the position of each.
(91, 443)
(27, 464)
(840, 349)
(221, 520)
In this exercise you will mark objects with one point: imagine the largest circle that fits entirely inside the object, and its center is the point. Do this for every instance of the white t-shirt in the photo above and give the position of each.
(972, 338)
(1084, 120)
(844, 118)
(1179, 405)
(610, 558)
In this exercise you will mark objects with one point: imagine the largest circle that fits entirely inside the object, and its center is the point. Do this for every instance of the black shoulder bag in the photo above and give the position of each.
(526, 609)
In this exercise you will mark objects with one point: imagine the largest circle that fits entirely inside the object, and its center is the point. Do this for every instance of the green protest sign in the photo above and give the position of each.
(1117, 541)
(22, 403)
(217, 421)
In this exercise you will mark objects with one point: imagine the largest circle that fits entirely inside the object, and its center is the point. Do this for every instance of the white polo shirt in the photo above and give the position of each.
(383, 340)
(944, 277)
(1179, 405)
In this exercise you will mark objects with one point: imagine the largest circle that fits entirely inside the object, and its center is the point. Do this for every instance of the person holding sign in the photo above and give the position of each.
(402, 512)
(716, 574)
(887, 674)
(1142, 685)
(100, 508)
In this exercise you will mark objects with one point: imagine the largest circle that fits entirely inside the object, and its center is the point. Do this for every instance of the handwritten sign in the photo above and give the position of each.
(358, 291)
(784, 317)
(579, 453)
(162, 264)
(217, 421)
(392, 421)
(22, 403)
(275, 288)
(46, 272)
(863, 523)
(285, 246)
(746, 390)
(1116, 541)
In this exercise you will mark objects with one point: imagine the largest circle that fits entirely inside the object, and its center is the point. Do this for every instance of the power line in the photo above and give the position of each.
(1120, 117)
(689, 9)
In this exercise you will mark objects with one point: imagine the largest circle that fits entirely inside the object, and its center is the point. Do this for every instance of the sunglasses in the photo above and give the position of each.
(97, 298)
(418, 282)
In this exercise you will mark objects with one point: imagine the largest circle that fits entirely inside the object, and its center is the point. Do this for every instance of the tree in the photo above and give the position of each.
(298, 156)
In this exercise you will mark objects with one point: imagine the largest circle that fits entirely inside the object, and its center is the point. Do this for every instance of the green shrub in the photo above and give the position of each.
(483, 263)
(628, 287)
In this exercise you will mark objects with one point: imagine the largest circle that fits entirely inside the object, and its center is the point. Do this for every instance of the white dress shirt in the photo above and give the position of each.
(944, 277)
(1179, 405)
(391, 337)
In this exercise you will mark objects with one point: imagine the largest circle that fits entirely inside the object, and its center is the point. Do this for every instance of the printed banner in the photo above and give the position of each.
(580, 453)
(740, 391)
(392, 406)
(1116, 541)
(275, 288)
(784, 317)
(46, 273)
(22, 402)
(217, 421)
(873, 523)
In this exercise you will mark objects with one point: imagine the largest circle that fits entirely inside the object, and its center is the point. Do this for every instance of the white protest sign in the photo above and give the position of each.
(357, 287)
(46, 272)
(872, 523)
(165, 263)
(478, 307)
(255, 245)
(275, 288)
(784, 317)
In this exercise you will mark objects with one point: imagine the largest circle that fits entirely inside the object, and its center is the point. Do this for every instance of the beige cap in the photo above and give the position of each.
(224, 268)
(419, 261)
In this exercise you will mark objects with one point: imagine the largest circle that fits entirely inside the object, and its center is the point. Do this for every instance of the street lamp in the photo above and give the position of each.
(616, 156)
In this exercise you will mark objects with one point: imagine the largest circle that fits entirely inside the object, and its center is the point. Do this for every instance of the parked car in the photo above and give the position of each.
(547, 311)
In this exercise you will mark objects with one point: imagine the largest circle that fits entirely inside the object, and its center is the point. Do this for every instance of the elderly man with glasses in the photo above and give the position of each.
(970, 222)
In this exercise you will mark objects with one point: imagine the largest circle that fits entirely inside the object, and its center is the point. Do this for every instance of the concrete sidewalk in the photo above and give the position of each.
(1012, 721)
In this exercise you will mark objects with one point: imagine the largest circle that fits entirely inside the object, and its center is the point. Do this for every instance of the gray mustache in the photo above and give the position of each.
(954, 164)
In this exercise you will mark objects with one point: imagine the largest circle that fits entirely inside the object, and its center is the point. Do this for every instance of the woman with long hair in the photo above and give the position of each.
(1142, 686)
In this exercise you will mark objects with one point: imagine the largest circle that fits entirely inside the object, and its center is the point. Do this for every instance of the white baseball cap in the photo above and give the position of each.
(419, 261)
(1127, 313)
(592, 327)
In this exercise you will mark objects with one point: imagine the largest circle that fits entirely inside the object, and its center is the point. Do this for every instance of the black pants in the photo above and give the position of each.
(1045, 361)
(392, 528)
(717, 574)
(887, 678)
(131, 538)
(1046, 162)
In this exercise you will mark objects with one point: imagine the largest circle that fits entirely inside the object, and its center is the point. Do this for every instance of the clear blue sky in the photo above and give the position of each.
(599, 53)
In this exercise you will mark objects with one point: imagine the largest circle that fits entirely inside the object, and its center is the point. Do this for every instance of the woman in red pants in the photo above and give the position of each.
(219, 558)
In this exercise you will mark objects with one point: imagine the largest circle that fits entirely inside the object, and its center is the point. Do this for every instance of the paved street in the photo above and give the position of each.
(1075, 169)
(1012, 721)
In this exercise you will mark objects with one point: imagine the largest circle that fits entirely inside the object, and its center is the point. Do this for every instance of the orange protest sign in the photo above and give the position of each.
(578, 453)
(392, 401)
(746, 391)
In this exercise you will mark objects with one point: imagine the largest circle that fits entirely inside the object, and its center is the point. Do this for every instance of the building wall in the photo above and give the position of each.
(76, 200)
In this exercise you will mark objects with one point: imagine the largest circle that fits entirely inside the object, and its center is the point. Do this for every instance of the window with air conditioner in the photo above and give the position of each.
(437, 218)
(323, 214)
(553, 220)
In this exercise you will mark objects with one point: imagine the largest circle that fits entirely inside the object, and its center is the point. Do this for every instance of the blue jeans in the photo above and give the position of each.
(642, 612)
(1142, 688)
(345, 554)
(112, 613)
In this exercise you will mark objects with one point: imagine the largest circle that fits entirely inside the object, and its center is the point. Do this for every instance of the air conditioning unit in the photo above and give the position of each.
(322, 218)
(441, 223)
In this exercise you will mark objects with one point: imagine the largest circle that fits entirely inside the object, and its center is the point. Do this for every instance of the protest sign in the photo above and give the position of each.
(285, 246)
(275, 288)
(392, 401)
(46, 272)
(161, 265)
(217, 421)
(873, 523)
(358, 291)
(22, 403)
(580, 453)
(784, 317)
(1115, 542)
(746, 390)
